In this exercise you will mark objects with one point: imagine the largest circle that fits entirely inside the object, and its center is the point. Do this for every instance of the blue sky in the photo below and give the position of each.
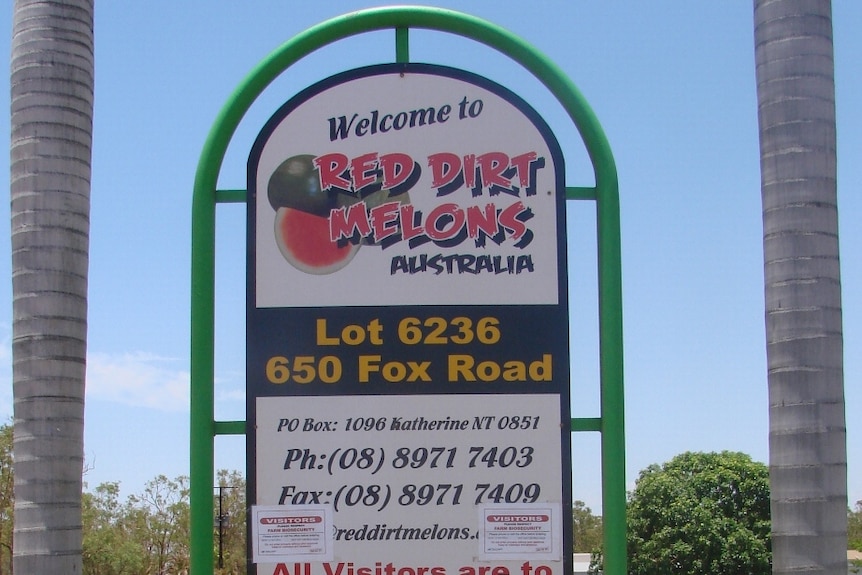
(673, 85)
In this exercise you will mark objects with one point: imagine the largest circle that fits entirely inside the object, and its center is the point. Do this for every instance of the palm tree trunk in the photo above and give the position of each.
(807, 434)
(52, 109)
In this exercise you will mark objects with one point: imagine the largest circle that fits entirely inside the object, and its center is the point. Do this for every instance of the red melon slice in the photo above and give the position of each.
(303, 240)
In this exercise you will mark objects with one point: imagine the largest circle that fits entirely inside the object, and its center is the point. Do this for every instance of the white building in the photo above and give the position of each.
(581, 563)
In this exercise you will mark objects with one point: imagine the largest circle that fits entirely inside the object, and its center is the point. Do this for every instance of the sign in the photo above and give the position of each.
(407, 348)
(292, 533)
(512, 532)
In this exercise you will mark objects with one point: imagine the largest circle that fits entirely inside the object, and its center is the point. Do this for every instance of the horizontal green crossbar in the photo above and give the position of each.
(229, 427)
(231, 196)
(586, 424)
(573, 193)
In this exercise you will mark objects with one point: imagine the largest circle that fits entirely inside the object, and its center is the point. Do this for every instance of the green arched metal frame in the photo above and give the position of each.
(401, 19)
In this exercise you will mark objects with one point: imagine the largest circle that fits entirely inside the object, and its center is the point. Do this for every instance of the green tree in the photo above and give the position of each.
(110, 544)
(586, 529)
(700, 513)
(7, 501)
(162, 524)
(854, 528)
(52, 79)
(148, 533)
(804, 342)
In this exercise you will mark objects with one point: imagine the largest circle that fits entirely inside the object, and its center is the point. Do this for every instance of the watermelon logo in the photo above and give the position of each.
(301, 218)
(302, 211)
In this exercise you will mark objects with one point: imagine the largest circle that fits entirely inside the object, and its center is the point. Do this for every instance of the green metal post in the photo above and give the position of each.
(611, 370)
(203, 426)
(202, 359)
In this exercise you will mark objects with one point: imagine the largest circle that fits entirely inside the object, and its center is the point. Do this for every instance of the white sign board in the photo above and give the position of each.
(408, 330)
